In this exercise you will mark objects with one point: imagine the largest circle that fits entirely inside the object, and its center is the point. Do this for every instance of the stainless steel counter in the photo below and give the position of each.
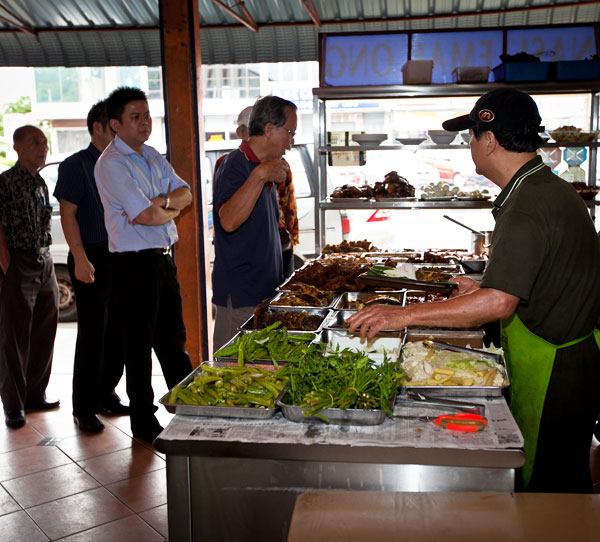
(230, 479)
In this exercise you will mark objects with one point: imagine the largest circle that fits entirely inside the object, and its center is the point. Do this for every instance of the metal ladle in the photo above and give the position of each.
(463, 225)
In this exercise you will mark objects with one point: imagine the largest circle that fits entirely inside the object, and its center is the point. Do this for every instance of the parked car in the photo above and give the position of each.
(67, 310)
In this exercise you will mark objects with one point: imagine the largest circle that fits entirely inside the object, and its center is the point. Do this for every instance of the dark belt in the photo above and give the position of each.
(155, 251)
(31, 251)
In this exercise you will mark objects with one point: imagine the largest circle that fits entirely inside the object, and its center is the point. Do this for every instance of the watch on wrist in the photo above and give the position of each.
(167, 200)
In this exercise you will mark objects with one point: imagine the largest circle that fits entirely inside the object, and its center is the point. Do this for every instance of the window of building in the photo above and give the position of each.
(71, 140)
(56, 84)
(155, 83)
(130, 76)
(231, 81)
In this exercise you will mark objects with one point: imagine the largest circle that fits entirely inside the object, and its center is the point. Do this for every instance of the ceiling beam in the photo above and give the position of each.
(20, 25)
(312, 12)
(248, 21)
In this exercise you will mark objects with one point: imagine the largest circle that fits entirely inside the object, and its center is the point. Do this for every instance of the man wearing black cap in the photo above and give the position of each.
(540, 282)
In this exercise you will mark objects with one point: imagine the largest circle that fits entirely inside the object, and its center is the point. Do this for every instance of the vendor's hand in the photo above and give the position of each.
(465, 285)
(371, 320)
(84, 271)
(273, 170)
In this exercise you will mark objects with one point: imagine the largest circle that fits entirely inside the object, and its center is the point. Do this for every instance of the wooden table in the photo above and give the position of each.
(356, 516)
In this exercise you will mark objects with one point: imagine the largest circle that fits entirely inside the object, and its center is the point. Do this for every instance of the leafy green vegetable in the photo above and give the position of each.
(341, 379)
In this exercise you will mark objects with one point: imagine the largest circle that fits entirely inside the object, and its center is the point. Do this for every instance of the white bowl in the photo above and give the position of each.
(369, 139)
(410, 140)
(441, 137)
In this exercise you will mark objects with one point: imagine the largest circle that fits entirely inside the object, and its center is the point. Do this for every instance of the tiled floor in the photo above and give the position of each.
(57, 483)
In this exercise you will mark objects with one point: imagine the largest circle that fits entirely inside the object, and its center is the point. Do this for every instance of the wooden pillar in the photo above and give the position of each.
(180, 44)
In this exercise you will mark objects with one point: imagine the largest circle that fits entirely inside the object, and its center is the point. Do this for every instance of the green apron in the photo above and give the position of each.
(529, 361)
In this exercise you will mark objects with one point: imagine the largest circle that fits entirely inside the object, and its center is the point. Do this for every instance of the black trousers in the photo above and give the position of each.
(562, 461)
(99, 357)
(288, 262)
(28, 320)
(148, 298)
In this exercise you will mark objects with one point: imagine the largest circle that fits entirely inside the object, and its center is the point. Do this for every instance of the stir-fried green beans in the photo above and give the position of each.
(343, 379)
(269, 343)
(231, 386)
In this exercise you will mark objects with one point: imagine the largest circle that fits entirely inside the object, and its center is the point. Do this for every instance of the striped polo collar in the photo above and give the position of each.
(530, 168)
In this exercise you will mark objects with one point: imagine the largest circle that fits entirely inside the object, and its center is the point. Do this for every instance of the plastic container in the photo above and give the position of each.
(568, 70)
(417, 72)
(471, 74)
(522, 71)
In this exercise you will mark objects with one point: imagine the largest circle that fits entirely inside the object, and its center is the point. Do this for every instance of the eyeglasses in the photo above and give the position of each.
(291, 133)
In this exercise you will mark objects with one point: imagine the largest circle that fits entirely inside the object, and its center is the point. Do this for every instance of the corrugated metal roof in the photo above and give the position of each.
(125, 32)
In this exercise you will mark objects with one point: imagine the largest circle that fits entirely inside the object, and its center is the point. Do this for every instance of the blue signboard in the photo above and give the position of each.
(377, 59)
(450, 50)
(358, 60)
(553, 44)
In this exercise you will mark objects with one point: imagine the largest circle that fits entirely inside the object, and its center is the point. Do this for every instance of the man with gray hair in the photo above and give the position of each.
(29, 293)
(248, 263)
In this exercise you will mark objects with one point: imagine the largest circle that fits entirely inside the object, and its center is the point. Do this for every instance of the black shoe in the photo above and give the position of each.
(89, 423)
(147, 432)
(42, 405)
(115, 407)
(14, 418)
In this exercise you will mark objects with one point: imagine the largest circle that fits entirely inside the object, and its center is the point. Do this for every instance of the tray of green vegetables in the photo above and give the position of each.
(343, 387)
(230, 391)
(269, 345)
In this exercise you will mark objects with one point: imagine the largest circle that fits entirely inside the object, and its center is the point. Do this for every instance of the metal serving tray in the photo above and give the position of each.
(321, 312)
(347, 299)
(219, 411)
(260, 361)
(336, 416)
(398, 283)
(457, 337)
(390, 340)
(336, 319)
(459, 391)
(333, 299)
(455, 269)
(423, 295)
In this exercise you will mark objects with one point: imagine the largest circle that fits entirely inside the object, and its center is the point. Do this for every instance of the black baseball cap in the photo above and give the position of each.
(506, 109)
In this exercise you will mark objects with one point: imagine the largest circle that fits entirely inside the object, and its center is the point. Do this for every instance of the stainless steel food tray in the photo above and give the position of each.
(334, 297)
(420, 293)
(455, 269)
(260, 361)
(335, 416)
(391, 341)
(336, 321)
(218, 411)
(321, 312)
(457, 337)
(346, 298)
(461, 391)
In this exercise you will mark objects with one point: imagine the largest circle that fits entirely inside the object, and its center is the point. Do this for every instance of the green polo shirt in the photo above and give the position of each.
(545, 250)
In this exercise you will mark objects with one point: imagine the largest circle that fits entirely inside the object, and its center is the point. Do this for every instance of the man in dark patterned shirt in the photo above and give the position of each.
(29, 293)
